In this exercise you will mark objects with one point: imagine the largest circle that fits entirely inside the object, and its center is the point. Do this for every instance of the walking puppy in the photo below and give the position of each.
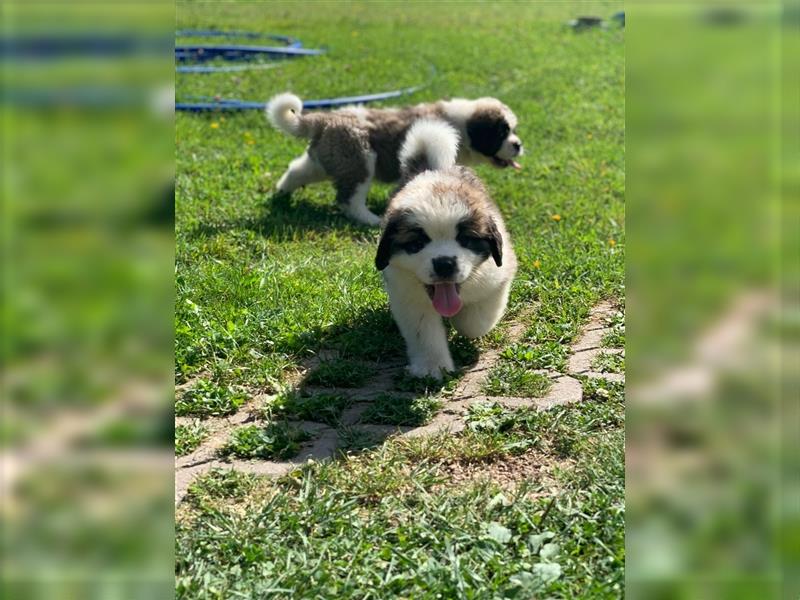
(353, 146)
(444, 250)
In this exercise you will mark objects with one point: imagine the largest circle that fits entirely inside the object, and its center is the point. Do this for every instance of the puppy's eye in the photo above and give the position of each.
(474, 243)
(416, 241)
(414, 246)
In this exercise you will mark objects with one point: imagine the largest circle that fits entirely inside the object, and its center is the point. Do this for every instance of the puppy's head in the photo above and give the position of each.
(439, 230)
(491, 129)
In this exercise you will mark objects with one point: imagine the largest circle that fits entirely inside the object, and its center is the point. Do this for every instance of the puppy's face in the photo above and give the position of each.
(491, 129)
(440, 242)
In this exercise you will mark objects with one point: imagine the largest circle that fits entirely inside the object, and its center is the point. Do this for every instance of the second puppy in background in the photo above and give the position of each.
(444, 251)
(352, 146)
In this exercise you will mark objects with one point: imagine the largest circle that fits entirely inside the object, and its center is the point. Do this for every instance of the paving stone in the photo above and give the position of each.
(590, 339)
(311, 427)
(613, 377)
(382, 430)
(184, 478)
(581, 362)
(514, 401)
(268, 468)
(323, 446)
(566, 390)
(440, 423)
(352, 415)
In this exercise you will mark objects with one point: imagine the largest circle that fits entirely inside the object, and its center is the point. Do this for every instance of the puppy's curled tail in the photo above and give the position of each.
(430, 145)
(284, 111)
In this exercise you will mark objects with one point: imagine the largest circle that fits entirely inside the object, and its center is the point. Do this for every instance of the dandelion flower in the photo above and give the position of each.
(555, 217)
(537, 263)
(215, 125)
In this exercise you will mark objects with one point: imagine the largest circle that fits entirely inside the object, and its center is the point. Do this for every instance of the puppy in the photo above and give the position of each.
(355, 145)
(444, 250)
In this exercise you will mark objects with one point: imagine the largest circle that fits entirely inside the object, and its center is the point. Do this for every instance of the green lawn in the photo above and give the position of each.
(263, 284)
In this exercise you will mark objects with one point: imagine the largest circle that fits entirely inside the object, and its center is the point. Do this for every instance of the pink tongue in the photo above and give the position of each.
(515, 164)
(445, 299)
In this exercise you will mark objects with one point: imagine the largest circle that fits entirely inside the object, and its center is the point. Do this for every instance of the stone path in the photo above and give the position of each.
(325, 439)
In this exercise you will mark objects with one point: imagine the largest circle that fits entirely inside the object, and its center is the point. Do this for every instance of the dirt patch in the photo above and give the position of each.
(508, 473)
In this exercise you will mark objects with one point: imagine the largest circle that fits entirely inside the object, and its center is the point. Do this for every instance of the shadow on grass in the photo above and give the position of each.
(365, 360)
(285, 217)
(373, 336)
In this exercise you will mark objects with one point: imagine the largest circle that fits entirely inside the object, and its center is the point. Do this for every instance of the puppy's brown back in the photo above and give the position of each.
(387, 130)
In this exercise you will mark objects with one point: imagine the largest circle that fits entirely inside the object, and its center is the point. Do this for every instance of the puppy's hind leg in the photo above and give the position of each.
(352, 196)
(302, 171)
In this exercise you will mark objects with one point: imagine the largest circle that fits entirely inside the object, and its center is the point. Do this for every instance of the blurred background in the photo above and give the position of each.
(713, 174)
(712, 177)
(86, 429)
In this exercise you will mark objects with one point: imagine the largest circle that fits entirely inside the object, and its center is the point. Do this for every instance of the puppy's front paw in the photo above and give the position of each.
(372, 220)
(283, 186)
(435, 371)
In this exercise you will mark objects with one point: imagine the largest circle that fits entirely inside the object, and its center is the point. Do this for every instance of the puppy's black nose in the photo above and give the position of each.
(517, 146)
(444, 266)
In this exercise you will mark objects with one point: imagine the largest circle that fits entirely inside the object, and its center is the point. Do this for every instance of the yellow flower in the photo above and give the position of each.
(215, 125)
(251, 142)
(612, 243)
(537, 263)
(555, 217)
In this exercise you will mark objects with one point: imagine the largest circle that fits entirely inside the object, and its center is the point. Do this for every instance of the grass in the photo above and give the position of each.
(606, 362)
(353, 440)
(263, 283)
(488, 416)
(390, 409)
(220, 484)
(339, 373)
(547, 355)
(616, 337)
(508, 379)
(208, 399)
(189, 437)
(385, 523)
(324, 408)
(274, 441)
(405, 382)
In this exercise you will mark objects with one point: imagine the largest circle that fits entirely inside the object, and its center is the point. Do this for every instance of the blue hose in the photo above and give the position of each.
(233, 104)
(289, 41)
(223, 68)
(293, 48)
(208, 51)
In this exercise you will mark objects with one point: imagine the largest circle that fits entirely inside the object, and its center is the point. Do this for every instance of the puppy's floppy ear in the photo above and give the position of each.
(387, 242)
(486, 130)
(495, 242)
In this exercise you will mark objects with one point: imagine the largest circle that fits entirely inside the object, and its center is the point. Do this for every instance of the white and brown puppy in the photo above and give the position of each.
(352, 146)
(444, 250)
